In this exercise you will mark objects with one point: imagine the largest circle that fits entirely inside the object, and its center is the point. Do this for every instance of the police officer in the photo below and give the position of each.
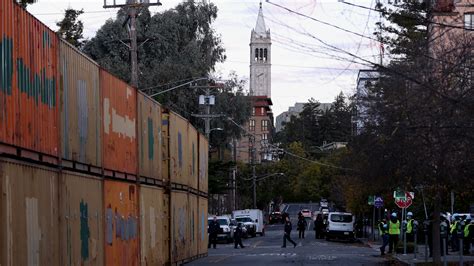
(383, 230)
(287, 235)
(454, 233)
(468, 234)
(238, 236)
(214, 228)
(410, 221)
(393, 232)
(302, 224)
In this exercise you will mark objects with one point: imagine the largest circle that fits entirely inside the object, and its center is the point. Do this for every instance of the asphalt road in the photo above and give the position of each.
(267, 250)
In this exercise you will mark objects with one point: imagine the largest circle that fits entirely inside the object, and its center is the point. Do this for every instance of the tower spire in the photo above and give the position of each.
(260, 28)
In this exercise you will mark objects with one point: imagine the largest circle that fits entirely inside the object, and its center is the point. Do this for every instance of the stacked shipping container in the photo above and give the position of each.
(123, 179)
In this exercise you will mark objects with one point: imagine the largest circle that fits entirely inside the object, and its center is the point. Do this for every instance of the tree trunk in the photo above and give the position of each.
(436, 230)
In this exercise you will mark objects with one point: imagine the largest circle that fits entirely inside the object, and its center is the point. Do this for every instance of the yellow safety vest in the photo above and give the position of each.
(466, 230)
(453, 227)
(394, 228)
(410, 226)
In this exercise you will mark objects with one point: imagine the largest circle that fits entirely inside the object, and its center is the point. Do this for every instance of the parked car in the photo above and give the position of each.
(340, 225)
(256, 217)
(275, 217)
(225, 232)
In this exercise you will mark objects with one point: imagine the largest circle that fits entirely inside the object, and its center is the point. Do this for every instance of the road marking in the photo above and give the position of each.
(257, 243)
(223, 258)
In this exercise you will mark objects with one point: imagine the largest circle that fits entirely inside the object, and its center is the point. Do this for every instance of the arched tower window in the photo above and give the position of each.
(256, 55)
(261, 55)
(265, 54)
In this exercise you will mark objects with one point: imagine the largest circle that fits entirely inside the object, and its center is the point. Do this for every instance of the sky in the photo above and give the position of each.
(303, 66)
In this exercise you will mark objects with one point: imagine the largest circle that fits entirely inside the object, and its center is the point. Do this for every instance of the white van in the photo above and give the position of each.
(225, 233)
(252, 219)
(340, 225)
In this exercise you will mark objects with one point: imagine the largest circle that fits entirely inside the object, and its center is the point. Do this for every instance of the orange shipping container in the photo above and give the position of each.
(28, 81)
(29, 215)
(203, 237)
(80, 107)
(180, 226)
(121, 223)
(193, 225)
(119, 105)
(178, 134)
(149, 137)
(203, 163)
(165, 146)
(81, 219)
(192, 154)
(154, 223)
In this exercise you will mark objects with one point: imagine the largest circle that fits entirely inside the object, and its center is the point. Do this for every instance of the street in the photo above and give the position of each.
(267, 250)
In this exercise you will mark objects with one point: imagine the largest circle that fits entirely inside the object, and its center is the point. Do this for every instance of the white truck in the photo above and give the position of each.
(252, 219)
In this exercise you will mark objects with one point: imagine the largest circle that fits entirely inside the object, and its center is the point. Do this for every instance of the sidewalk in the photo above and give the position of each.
(452, 258)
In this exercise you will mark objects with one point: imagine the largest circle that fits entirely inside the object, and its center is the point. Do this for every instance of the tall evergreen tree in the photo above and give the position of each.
(70, 28)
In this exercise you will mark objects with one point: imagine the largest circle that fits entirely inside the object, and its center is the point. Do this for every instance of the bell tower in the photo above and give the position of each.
(260, 58)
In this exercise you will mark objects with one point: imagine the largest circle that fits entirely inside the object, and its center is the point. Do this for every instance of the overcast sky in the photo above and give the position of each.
(302, 67)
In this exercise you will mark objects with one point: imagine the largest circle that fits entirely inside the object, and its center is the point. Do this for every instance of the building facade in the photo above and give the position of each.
(295, 111)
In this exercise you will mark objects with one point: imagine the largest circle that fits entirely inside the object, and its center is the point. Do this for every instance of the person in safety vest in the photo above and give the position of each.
(468, 234)
(410, 222)
(383, 230)
(453, 231)
(393, 232)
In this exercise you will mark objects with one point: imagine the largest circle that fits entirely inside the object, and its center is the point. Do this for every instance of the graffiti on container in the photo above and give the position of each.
(151, 140)
(180, 150)
(6, 61)
(36, 86)
(203, 225)
(122, 125)
(82, 116)
(125, 226)
(85, 232)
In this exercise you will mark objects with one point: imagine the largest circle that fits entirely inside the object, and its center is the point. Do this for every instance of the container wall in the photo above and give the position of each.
(28, 81)
(203, 237)
(149, 137)
(192, 154)
(203, 163)
(154, 218)
(165, 146)
(194, 224)
(180, 226)
(121, 223)
(82, 220)
(178, 133)
(80, 107)
(119, 107)
(29, 224)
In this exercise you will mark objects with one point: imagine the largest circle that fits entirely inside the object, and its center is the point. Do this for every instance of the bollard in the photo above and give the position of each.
(445, 263)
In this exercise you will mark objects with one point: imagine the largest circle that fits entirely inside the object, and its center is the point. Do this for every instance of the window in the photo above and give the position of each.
(262, 111)
(469, 21)
(252, 125)
(253, 111)
(256, 54)
(264, 136)
(265, 53)
(265, 125)
(260, 58)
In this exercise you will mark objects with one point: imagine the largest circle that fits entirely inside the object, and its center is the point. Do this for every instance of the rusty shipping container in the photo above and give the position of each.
(28, 81)
(121, 223)
(29, 210)
(178, 145)
(165, 145)
(180, 228)
(192, 154)
(203, 163)
(80, 107)
(81, 219)
(193, 225)
(203, 237)
(154, 224)
(119, 111)
(149, 137)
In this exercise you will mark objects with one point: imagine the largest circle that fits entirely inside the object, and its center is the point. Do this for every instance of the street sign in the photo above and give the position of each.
(371, 200)
(378, 202)
(406, 201)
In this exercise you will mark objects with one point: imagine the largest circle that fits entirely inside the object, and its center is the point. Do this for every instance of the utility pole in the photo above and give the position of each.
(132, 6)
(254, 176)
(207, 119)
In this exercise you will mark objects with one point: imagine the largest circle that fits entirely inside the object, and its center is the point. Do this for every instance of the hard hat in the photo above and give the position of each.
(410, 214)
(394, 214)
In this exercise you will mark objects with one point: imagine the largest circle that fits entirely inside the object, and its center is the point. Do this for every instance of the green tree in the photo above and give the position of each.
(70, 28)
(25, 3)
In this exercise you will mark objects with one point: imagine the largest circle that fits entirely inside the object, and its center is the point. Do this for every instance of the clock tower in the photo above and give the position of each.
(260, 58)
